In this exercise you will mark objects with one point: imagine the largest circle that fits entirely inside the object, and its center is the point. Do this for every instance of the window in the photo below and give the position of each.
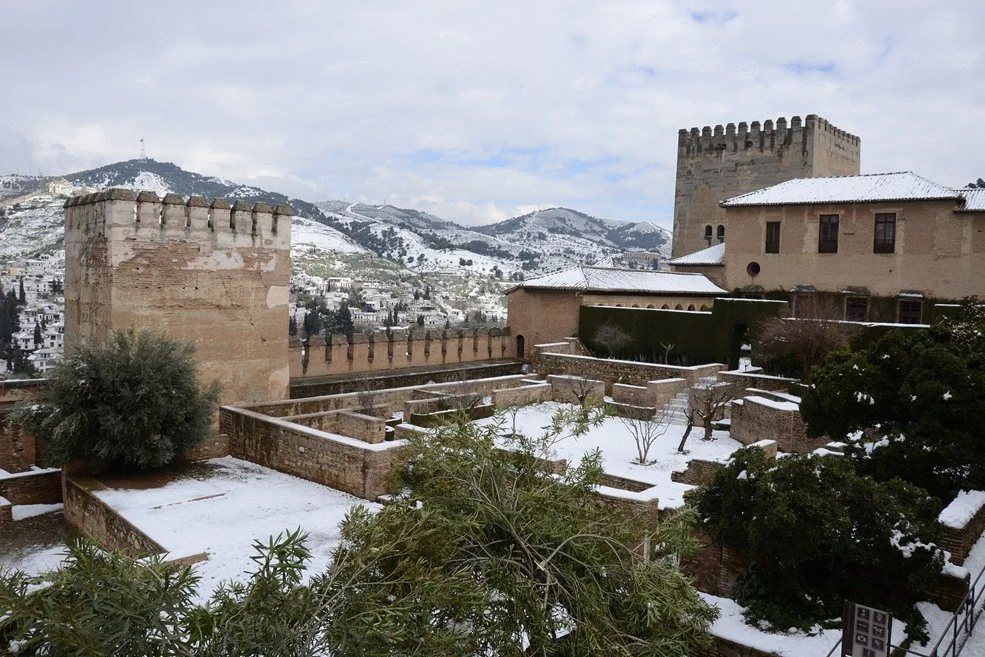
(827, 239)
(885, 238)
(708, 234)
(910, 311)
(772, 237)
(856, 309)
(720, 231)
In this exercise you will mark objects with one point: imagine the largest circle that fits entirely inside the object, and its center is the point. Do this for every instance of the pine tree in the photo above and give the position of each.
(37, 335)
(21, 297)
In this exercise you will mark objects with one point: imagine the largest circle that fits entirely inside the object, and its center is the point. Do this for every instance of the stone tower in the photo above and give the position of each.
(214, 274)
(715, 165)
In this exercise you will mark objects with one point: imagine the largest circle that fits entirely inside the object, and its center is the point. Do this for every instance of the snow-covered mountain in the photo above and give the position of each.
(343, 236)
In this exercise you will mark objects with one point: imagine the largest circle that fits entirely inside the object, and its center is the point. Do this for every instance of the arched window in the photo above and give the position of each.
(691, 307)
(678, 307)
(649, 305)
(704, 307)
(721, 233)
(665, 307)
(708, 234)
(519, 346)
(618, 305)
(636, 305)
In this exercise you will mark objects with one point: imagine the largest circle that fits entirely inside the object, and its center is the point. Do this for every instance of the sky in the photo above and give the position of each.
(475, 110)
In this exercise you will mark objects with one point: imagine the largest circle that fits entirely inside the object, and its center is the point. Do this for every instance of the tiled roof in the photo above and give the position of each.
(900, 186)
(974, 200)
(600, 279)
(713, 255)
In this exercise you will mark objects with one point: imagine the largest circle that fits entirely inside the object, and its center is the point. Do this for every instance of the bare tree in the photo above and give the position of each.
(706, 403)
(612, 338)
(645, 432)
(816, 331)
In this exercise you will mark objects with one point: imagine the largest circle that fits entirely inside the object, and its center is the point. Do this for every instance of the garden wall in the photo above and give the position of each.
(348, 423)
(962, 524)
(619, 371)
(97, 520)
(526, 394)
(757, 418)
(347, 464)
(751, 379)
(655, 393)
(33, 487)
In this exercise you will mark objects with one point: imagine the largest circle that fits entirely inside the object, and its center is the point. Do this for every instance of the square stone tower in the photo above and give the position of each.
(713, 165)
(214, 274)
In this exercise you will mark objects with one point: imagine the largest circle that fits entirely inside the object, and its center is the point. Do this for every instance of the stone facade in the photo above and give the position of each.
(939, 250)
(713, 165)
(758, 417)
(214, 274)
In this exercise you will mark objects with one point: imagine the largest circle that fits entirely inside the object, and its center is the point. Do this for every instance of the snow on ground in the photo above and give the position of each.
(618, 448)
(237, 503)
(24, 511)
(305, 232)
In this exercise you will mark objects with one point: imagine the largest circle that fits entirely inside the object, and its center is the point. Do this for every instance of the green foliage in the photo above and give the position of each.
(131, 401)
(491, 550)
(911, 405)
(97, 603)
(816, 532)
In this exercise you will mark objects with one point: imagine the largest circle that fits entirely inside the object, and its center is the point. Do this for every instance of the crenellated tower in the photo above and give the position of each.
(715, 164)
(213, 273)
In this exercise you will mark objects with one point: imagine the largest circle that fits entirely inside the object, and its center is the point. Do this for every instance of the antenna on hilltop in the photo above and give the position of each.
(143, 152)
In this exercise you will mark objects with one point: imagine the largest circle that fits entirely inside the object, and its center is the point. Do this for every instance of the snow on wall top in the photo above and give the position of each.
(964, 507)
(600, 279)
(899, 186)
(974, 200)
(713, 255)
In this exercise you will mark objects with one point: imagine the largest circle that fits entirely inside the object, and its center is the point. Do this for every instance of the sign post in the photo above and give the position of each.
(866, 632)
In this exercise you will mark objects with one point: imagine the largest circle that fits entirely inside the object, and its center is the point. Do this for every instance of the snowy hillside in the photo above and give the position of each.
(31, 227)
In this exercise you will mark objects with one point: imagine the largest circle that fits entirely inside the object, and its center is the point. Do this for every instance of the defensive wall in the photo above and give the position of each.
(714, 164)
(319, 356)
(213, 273)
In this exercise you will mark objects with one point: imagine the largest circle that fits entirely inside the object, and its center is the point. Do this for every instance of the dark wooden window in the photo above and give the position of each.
(772, 237)
(911, 311)
(720, 231)
(827, 239)
(856, 309)
(885, 238)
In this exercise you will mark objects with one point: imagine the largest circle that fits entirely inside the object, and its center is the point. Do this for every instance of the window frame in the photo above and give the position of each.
(880, 242)
(775, 243)
(828, 223)
(909, 301)
(849, 299)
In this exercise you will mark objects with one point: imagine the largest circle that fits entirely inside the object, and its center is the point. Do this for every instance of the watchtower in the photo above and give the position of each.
(713, 165)
(213, 273)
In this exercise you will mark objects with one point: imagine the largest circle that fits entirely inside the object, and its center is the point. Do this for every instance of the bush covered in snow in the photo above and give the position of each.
(815, 533)
(131, 401)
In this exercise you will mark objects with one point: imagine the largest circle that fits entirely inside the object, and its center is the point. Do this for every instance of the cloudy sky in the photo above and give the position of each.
(478, 110)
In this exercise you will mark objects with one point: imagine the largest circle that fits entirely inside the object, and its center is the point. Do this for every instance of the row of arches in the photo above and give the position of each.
(650, 306)
(719, 233)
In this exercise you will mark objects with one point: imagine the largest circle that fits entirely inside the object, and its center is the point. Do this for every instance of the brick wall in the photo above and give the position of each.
(698, 473)
(756, 418)
(343, 463)
(347, 423)
(18, 450)
(213, 447)
(97, 520)
(34, 487)
(715, 569)
(956, 540)
(16, 390)
(724, 648)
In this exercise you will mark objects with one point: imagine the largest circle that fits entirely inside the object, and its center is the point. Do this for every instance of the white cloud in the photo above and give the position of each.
(474, 110)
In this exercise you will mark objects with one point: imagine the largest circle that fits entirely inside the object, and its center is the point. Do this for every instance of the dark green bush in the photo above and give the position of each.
(132, 401)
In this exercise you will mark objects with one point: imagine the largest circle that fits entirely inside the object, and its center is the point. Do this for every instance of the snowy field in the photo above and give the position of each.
(614, 439)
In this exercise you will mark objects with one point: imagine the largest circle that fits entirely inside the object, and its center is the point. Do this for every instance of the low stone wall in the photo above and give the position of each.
(619, 371)
(400, 378)
(442, 402)
(962, 524)
(725, 648)
(439, 418)
(97, 520)
(757, 418)
(644, 504)
(698, 473)
(365, 427)
(527, 394)
(343, 463)
(751, 379)
(715, 569)
(214, 447)
(16, 390)
(33, 487)
(575, 389)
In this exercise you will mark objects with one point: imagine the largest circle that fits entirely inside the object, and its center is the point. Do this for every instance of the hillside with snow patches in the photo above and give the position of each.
(341, 238)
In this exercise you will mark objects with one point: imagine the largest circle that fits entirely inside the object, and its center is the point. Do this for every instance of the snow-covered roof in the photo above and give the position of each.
(600, 279)
(868, 188)
(974, 200)
(713, 255)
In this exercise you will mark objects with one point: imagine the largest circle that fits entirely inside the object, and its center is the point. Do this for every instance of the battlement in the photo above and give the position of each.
(764, 137)
(145, 217)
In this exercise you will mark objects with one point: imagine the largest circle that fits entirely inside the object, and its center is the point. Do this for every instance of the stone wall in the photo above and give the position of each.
(94, 518)
(34, 487)
(18, 449)
(619, 371)
(402, 378)
(715, 569)
(347, 464)
(575, 389)
(743, 380)
(214, 274)
(725, 648)
(347, 423)
(716, 164)
(698, 473)
(655, 393)
(371, 352)
(527, 394)
(757, 418)
(956, 538)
